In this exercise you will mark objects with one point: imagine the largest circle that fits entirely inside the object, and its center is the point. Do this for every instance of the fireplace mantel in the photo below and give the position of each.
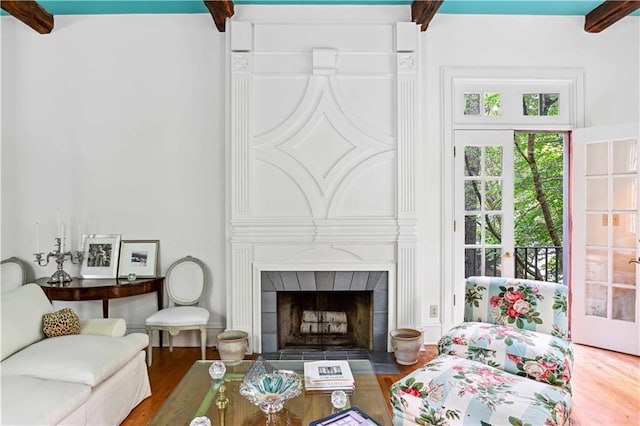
(322, 133)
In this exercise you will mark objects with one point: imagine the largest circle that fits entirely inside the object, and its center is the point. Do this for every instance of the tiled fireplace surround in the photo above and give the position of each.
(338, 282)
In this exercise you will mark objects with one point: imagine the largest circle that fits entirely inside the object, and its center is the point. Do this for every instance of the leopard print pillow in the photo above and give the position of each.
(61, 323)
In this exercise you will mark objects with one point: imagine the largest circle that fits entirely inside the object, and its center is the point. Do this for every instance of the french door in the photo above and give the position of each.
(484, 203)
(606, 219)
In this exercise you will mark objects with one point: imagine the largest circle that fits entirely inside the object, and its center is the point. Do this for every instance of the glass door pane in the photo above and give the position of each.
(485, 176)
(606, 213)
(612, 194)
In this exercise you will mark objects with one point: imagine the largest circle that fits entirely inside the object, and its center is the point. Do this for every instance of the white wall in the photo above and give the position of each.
(610, 61)
(118, 121)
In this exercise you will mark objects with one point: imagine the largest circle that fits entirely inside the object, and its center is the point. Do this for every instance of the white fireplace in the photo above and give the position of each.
(321, 157)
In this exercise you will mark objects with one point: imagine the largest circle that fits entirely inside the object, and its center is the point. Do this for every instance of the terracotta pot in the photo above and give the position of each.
(406, 344)
(232, 345)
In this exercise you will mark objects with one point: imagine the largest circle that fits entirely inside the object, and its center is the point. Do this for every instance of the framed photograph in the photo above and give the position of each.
(138, 257)
(100, 258)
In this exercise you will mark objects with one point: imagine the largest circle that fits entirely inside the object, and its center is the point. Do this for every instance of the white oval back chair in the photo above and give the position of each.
(186, 282)
(14, 274)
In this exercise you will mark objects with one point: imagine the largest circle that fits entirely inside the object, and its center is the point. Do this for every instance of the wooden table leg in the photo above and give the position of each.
(105, 308)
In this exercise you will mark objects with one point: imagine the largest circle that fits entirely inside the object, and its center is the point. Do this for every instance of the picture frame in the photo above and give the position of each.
(100, 255)
(139, 257)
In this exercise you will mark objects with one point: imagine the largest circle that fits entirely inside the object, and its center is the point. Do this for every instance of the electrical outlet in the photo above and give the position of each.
(433, 311)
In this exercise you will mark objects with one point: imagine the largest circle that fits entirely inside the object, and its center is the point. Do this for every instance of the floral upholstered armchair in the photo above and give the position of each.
(519, 326)
(508, 364)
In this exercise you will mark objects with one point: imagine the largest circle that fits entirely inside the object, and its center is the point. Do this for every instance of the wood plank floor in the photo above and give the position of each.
(606, 385)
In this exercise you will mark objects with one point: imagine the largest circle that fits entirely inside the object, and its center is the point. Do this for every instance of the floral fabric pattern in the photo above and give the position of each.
(522, 304)
(538, 356)
(509, 364)
(454, 391)
(516, 304)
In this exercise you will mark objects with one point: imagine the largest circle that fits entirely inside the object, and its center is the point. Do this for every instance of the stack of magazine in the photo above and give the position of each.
(328, 376)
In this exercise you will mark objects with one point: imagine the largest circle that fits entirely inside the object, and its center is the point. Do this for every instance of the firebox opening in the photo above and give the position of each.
(325, 320)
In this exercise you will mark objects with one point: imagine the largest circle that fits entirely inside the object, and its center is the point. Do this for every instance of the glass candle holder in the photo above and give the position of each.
(338, 399)
(217, 370)
(200, 421)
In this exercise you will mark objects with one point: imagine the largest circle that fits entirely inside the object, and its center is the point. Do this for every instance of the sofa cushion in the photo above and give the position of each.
(22, 311)
(456, 391)
(538, 356)
(113, 327)
(60, 323)
(78, 358)
(32, 401)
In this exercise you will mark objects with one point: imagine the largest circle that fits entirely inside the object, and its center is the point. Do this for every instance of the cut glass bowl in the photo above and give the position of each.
(269, 391)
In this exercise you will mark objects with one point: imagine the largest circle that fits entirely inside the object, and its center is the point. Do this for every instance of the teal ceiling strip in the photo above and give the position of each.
(482, 7)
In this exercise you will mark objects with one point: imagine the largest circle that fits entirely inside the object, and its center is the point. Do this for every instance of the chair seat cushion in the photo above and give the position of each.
(527, 353)
(179, 315)
(454, 391)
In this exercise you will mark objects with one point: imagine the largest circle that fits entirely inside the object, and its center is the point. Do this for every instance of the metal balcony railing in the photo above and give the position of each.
(542, 263)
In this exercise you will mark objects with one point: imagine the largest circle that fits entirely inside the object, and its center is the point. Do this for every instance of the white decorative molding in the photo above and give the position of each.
(240, 62)
(326, 179)
(240, 293)
(240, 130)
(318, 146)
(407, 229)
(324, 61)
(407, 294)
(406, 37)
(241, 36)
(315, 230)
(406, 62)
(407, 124)
(300, 256)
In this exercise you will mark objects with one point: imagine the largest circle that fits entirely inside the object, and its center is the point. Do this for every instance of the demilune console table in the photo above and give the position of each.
(102, 289)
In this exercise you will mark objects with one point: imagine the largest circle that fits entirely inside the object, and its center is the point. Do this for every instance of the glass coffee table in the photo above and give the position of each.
(192, 398)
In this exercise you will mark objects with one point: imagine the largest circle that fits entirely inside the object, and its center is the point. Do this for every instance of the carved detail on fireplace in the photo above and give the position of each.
(322, 147)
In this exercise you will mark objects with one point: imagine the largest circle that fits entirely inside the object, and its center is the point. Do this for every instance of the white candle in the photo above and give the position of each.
(80, 248)
(37, 237)
(62, 238)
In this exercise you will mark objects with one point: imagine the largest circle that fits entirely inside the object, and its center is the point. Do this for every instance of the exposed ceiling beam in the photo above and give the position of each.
(29, 12)
(220, 10)
(423, 11)
(608, 13)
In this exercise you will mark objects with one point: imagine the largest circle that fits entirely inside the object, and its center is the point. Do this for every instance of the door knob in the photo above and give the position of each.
(634, 260)
(507, 255)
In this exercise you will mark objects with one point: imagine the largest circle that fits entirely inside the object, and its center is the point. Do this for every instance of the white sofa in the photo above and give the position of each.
(93, 378)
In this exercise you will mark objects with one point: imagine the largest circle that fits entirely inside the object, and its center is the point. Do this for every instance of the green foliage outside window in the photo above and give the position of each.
(538, 199)
(547, 158)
